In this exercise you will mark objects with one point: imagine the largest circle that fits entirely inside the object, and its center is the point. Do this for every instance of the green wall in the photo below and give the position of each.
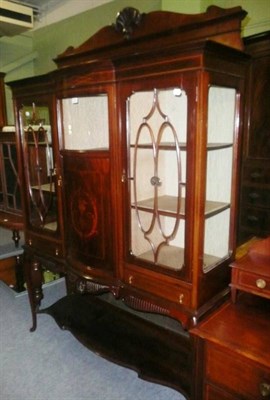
(54, 39)
(33, 52)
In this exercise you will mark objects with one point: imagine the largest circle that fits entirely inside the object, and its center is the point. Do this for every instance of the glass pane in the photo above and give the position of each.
(220, 138)
(157, 121)
(10, 190)
(85, 123)
(39, 166)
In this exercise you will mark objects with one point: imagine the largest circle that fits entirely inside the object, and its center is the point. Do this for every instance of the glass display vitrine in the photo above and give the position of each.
(41, 180)
(179, 178)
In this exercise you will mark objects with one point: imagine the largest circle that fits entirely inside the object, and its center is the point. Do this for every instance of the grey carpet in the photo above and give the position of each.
(50, 364)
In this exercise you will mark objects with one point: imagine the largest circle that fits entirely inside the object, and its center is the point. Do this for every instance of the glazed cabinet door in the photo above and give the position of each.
(42, 178)
(156, 190)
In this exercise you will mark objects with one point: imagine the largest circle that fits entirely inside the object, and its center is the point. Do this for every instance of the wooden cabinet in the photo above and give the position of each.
(150, 160)
(254, 217)
(232, 350)
(38, 140)
(145, 121)
(252, 273)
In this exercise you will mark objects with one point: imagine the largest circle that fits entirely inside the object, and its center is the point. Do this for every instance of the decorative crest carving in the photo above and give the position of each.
(126, 20)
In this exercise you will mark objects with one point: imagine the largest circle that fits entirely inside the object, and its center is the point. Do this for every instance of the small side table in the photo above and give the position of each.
(251, 273)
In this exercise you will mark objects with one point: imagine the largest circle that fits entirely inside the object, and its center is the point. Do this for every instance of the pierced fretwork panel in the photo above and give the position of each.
(157, 123)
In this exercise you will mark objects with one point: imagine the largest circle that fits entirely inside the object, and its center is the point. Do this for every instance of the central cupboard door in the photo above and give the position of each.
(87, 182)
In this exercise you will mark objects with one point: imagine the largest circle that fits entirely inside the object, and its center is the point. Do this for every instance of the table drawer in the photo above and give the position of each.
(237, 374)
(212, 393)
(254, 283)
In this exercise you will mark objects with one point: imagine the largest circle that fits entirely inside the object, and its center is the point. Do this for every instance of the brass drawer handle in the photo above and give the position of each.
(260, 283)
(265, 389)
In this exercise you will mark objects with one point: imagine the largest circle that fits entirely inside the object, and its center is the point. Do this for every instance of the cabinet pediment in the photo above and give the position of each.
(125, 36)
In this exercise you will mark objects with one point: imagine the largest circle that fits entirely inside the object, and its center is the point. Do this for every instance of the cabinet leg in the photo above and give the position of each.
(233, 295)
(33, 276)
(19, 274)
(16, 237)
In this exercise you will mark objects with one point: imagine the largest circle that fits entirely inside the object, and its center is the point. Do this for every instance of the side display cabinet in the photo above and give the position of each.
(38, 145)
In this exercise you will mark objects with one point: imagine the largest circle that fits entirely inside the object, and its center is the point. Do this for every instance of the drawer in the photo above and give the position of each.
(212, 393)
(251, 195)
(257, 172)
(53, 249)
(254, 283)
(236, 374)
(169, 289)
(255, 218)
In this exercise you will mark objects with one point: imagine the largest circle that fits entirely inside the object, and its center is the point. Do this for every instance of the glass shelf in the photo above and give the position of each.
(172, 257)
(167, 205)
(46, 187)
(183, 146)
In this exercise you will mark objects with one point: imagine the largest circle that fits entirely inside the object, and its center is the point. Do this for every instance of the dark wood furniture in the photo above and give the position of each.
(252, 272)
(10, 194)
(146, 116)
(156, 349)
(254, 217)
(39, 167)
(150, 182)
(10, 200)
(232, 352)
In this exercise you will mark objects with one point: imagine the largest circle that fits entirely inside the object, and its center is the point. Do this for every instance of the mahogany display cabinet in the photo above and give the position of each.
(40, 175)
(144, 124)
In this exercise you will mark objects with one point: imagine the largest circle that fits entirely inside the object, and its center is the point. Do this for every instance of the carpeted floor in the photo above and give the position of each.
(50, 364)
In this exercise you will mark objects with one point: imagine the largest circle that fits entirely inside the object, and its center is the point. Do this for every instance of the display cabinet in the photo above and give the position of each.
(38, 145)
(180, 207)
(10, 196)
(147, 115)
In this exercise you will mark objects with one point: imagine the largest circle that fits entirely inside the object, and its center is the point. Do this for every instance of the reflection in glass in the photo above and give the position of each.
(39, 170)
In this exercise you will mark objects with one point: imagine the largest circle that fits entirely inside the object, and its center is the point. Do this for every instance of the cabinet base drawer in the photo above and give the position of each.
(169, 290)
(212, 393)
(235, 373)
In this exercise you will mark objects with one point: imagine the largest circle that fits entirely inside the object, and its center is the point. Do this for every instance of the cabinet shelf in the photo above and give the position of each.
(172, 257)
(167, 205)
(46, 187)
(183, 146)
